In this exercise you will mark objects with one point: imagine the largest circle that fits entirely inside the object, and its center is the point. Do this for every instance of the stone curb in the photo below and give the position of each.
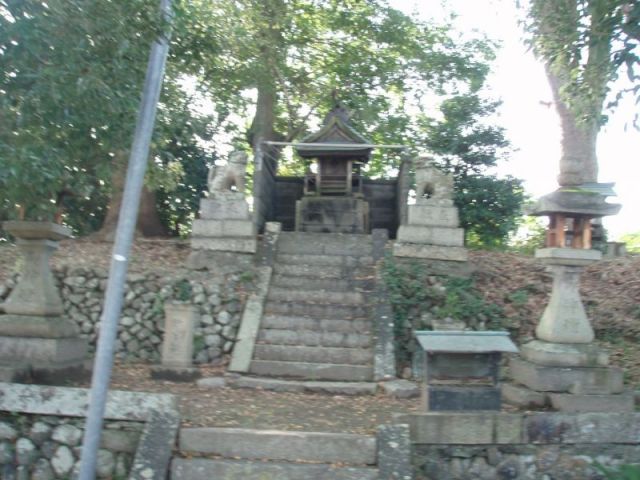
(155, 449)
(254, 308)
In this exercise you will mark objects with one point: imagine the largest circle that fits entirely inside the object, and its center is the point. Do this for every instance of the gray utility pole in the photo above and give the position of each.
(124, 237)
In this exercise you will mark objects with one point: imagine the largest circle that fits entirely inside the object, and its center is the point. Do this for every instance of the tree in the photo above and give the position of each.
(585, 44)
(286, 59)
(65, 111)
(70, 94)
(467, 147)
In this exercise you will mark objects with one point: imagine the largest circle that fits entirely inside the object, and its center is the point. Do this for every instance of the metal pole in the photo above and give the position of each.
(119, 262)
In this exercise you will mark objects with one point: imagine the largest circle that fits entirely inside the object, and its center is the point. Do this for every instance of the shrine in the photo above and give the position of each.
(333, 199)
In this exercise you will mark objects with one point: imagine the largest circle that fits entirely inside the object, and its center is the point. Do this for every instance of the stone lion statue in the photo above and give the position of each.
(222, 178)
(431, 182)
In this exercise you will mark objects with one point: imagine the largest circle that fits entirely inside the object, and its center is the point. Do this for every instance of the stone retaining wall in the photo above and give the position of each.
(48, 447)
(41, 430)
(219, 297)
(535, 446)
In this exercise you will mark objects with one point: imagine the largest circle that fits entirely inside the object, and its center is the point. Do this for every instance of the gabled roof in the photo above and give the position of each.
(336, 138)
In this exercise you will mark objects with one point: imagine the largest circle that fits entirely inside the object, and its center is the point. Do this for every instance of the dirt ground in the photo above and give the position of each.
(260, 409)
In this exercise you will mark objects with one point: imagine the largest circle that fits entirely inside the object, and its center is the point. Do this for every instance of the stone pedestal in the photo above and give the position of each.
(177, 346)
(224, 235)
(562, 364)
(433, 236)
(34, 333)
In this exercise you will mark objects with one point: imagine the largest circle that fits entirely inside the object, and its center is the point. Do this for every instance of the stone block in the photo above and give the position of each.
(452, 237)
(177, 345)
(400, 389)
(280, 445)
(37, 326)
(582, 428)
(227, 244)
(568, 402)
(523, 397)
(394, 452)
(509, 429)
(435, 252)
(223, 228)
(437, 216)
(224, 209)
(440, 428)
(559, 379)
(42, 351)
(564, 354)
(455, 398)
(219, 260)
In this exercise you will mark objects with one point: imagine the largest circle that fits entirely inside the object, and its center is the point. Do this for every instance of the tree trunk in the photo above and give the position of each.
(579, 162)
(148, 223)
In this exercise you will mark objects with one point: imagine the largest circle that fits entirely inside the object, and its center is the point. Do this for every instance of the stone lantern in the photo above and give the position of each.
(562, 366)
(36, 339)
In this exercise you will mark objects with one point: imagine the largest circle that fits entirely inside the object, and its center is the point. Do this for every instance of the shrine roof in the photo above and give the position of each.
(336, 138)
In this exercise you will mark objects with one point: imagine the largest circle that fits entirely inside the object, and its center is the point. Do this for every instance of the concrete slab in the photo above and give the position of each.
(298, 386)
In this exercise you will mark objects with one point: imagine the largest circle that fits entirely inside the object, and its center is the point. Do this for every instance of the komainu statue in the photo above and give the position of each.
(431, 182)
(224, 177)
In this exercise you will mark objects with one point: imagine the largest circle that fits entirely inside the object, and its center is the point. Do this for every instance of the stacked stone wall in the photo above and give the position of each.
(220, 299)
(48, 447)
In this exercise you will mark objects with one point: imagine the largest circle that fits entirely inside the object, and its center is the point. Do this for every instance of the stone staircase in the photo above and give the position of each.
(317, 320)
(235, 453)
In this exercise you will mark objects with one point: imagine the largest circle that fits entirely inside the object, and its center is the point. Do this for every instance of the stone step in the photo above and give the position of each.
(317, 310)
(344, 448)
(314, 271)
(312, 283)
(280, 294)
(335, 260)
(302, 386)
(289, 353)
(286, 322)
(320, 244)
(312, 338)
(313, 371)
(207, 469)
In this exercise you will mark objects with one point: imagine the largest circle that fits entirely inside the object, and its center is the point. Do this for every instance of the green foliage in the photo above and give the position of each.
(467, 148)
(182, 290)
(296, 53)
(64, 108)
(531, 235)
(587, 43)
(623, 472)
(413, 292)
(68, 105)
(632, 241)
